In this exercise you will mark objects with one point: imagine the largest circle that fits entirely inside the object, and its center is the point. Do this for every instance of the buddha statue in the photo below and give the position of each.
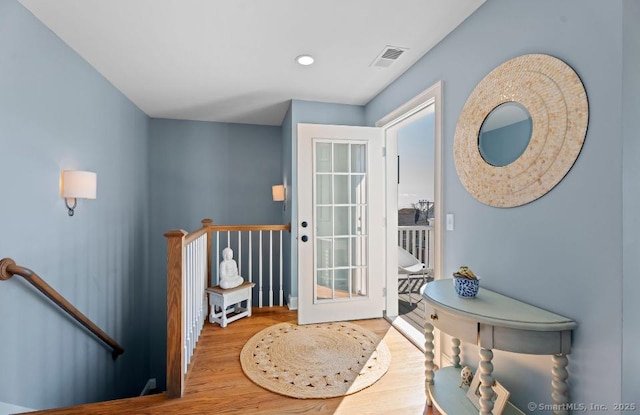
(229, 277)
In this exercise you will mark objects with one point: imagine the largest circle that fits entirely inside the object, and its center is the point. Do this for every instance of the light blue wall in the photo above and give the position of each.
(57, 112)
(562, 252)
(204, 170)
(631, 202)
(315, 113)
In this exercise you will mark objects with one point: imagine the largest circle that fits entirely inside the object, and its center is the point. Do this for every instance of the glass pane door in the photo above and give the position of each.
(340, 203)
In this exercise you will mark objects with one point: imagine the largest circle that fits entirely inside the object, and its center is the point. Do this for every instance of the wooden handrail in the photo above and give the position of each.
(194, 235)
(223, 228)
(8, 269)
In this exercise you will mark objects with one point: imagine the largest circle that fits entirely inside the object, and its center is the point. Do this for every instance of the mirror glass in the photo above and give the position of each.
(505, 134)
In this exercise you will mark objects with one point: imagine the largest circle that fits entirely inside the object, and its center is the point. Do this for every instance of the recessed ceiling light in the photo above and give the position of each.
(305, 60)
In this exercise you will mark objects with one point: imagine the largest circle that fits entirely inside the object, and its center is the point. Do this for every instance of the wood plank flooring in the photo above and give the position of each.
(412, 311)
(217, 385)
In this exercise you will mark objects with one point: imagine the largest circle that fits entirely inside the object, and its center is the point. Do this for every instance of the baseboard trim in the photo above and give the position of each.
(292, 303)
(150, 385)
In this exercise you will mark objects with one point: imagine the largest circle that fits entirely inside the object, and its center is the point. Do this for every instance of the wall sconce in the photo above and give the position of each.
(76, 185)
(279, 193)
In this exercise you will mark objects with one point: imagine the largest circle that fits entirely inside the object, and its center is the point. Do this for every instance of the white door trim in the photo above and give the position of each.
(432, 95)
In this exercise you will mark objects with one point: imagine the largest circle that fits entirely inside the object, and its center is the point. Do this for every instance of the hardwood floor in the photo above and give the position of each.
(217, 385)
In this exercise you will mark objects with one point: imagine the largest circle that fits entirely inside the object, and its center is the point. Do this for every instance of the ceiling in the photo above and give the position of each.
(233, 60)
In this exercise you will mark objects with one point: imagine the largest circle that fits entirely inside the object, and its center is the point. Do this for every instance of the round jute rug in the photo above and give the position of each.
(315, 361)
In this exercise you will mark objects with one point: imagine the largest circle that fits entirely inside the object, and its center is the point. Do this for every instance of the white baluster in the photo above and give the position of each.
(414, 236)
(192, 306)
(431, 247)
(187, 293)
(185, 330)
(239, 253)
(260, 273)
(203, 279)
(192, 277)
(204, 283)
(250, 259)
(229, 239)
(217, 258)
(198, 293)
(194, 272)
(187, 304)
(281, 290)
(270, 268)
(196, 287)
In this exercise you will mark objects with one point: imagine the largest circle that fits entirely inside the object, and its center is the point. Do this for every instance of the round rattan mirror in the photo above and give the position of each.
(553, 95)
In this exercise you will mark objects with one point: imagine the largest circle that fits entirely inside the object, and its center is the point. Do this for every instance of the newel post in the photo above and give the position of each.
(205, 225)
(175, 332)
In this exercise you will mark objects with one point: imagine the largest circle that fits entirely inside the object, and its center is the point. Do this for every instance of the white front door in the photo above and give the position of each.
(340, 223)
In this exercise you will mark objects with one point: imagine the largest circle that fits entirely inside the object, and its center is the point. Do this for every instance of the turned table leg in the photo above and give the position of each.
(560, 393)
(455, 352)
(428, 358)
(486, 382)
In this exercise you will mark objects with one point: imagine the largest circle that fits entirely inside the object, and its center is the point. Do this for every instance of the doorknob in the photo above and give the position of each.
(305, 238)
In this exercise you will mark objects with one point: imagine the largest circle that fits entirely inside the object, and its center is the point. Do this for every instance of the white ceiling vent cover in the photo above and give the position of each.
(388, 56)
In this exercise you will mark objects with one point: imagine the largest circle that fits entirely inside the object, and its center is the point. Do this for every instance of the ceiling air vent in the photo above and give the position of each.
(388, 56)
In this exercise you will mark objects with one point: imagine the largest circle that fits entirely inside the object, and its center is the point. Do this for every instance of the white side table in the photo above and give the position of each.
(222, 299)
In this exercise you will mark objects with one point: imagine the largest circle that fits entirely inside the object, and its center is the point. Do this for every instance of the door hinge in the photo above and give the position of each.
(384, 152)
(384, 292)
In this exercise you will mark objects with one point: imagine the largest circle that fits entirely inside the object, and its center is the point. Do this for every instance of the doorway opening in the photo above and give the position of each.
(413, 208)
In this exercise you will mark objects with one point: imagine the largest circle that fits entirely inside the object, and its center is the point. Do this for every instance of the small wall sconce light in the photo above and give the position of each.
(279, 193)
(76, 185)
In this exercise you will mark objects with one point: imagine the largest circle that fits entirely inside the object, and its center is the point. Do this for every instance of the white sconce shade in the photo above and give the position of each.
(278, 193)
(77, 185)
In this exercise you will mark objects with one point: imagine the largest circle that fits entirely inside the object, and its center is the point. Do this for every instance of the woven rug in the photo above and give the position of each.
(315, 361)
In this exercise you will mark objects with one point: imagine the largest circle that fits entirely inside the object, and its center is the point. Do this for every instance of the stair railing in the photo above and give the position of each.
(8, 269)
(192, 266)
(187, 270)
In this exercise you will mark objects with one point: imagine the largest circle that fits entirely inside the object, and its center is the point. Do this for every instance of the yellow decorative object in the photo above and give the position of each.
(465, 272)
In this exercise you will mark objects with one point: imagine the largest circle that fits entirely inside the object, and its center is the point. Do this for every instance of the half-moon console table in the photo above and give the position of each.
(492, 321)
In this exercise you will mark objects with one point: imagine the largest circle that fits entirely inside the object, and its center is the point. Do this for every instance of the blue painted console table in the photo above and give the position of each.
(492, 321)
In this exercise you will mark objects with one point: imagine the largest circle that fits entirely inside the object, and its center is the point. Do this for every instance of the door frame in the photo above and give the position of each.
(432, 95)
